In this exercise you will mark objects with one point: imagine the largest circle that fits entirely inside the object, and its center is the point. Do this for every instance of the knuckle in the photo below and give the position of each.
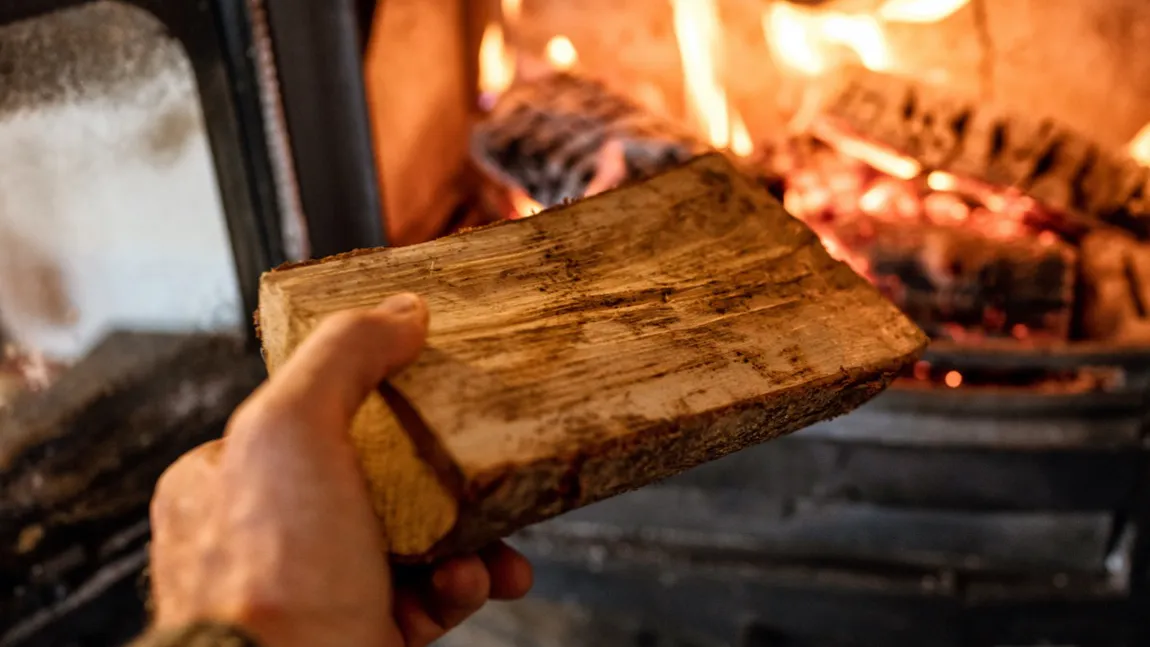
(259, 417)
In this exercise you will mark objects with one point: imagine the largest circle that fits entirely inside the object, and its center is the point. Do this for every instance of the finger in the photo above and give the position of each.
(427, 607)
(419, 629)
(327, 378)
(459, 587)
(510, 572)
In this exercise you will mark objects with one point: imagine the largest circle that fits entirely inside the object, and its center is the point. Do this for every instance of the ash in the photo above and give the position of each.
(102, 49)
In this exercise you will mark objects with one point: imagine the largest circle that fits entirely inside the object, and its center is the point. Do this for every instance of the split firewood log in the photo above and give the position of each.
(594, 348)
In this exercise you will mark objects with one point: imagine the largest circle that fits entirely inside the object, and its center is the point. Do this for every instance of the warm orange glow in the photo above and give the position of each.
(496, 63)
(741, 142)
(953, 379)
(699, 34)
(920, 11)
(879, 157)
(610, 168)
(941, 181)
(803, 39)
(1140, 146)
(561, 53)
(523, 204)
(921, 370)
(511, 10)
(790, 39)
(877, 198)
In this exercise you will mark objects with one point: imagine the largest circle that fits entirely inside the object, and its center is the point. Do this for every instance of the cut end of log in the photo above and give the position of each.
(595, 348)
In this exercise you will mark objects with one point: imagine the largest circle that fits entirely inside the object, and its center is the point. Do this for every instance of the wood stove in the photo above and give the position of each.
(959, 153)
(156, 166)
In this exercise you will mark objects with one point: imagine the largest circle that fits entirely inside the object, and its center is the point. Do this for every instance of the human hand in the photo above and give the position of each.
(271, 528)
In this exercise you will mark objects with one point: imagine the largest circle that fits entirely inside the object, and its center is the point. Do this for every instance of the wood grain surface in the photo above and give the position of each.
(594, 348)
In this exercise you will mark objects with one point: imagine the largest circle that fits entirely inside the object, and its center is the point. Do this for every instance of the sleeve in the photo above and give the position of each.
(200, 634)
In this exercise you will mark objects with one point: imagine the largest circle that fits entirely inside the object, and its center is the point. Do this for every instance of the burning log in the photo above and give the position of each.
(561, 136)
(1086, 185)
(953, 281)
(1115, 288)
(595, 348)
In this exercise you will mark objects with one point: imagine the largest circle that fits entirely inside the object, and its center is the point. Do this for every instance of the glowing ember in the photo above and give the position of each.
(920, 11)
(1140, 146)
(879, 157)
(942, 181)
(953, 379)
(561, 53)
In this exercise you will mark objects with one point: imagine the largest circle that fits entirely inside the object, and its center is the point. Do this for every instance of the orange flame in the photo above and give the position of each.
(1139, 147)
(522, 204)
(699, 32)
(741, 142)
(496, 58)
(561, 53)
(511, 10)
(496, 63)
(920, 11)
(806, 39)
(802, 39)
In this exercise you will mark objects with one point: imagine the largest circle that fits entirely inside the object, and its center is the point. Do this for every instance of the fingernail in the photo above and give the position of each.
(400, 304)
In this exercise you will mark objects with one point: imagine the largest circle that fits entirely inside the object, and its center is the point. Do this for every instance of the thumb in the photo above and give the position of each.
(330, 374)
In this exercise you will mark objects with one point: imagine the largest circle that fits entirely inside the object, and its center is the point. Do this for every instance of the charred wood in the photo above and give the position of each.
(1115, 288)
(79, 460)
(557, 136)
(1088, 184)
(947, 277)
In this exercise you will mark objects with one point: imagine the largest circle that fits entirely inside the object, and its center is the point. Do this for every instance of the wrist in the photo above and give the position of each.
(200, 634)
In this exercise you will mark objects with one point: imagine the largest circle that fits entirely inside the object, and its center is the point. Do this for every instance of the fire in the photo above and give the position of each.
(741, 142)
(802, 39)
(497, 60)
(561, 53)
(496, 64)
(511, 10)
(1139, 147)
(805, 39)
(879, 157)
(920, 11)
(522, 205)
(699, 32)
